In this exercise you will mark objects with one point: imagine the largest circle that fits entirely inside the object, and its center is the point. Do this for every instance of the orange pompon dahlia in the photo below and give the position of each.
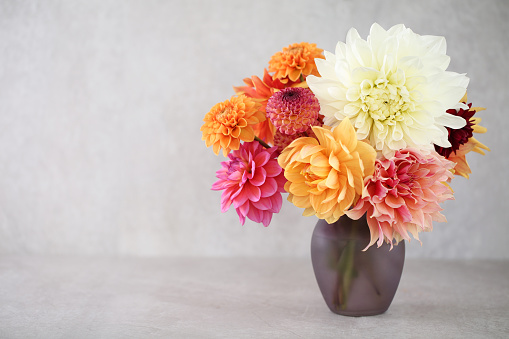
(261, 91)
(294, 61)
(326, 175)
(229, 122)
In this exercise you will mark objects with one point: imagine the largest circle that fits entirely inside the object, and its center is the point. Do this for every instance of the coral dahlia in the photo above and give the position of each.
(295, 61)
(403, 195)
(293, 110)
(393, 86)
(325, 175)
(252, 181)
(229, 122)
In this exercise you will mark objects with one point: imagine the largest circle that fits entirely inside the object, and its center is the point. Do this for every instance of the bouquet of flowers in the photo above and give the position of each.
(379, 127)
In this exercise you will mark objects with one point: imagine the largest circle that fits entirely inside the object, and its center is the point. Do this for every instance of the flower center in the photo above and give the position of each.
(385, 102)
(291, 95)
(223, 115)
(309, 175)
(234, 165)
(295, 50)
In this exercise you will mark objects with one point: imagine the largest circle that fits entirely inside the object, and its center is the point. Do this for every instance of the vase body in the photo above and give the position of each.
(353, 282)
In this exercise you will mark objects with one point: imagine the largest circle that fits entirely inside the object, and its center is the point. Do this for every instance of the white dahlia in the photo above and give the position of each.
(394, 88)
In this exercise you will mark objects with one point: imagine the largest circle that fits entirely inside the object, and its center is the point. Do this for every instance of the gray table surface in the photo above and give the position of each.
(95, 297)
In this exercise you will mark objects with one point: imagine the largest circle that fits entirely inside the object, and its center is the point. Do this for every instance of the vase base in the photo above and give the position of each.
(366, 313)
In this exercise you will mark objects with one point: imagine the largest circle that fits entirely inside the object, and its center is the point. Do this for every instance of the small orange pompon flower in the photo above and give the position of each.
(229, 122)
(294, 61)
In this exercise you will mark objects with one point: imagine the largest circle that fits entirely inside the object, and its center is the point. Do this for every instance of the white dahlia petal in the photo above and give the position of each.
(325, 68)
(393, 86)
(340, 50)
(377, 36)
(396, 29)
(328, 56)
(338, 93)
(461, 105)
(439, 61)
(434, 44)
(343, 73)
(330, 111)
(423, 118)
(352, 36)
(451, 121)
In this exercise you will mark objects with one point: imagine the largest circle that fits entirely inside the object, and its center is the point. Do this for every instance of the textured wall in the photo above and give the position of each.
(101, 103)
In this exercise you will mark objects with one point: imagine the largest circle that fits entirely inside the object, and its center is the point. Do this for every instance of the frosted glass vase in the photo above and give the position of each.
(353, 282)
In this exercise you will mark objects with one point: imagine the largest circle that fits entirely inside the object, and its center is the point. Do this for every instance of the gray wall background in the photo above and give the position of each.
(101, 103)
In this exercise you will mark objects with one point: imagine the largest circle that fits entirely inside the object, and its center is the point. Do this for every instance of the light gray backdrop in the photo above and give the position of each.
(101, 104)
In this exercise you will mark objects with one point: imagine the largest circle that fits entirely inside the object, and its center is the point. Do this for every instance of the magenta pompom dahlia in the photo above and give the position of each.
(282, 140)
(293, 109)
(403, 195)
(252, 181)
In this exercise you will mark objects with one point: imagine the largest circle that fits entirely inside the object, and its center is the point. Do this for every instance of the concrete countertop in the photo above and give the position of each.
(96, 297)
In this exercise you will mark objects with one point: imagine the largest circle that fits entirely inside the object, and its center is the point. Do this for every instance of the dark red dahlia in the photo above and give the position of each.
(458, 137)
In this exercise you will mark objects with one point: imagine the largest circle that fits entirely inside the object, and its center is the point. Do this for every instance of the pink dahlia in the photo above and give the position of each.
(252, 181)
(293, 110)
(403, 195)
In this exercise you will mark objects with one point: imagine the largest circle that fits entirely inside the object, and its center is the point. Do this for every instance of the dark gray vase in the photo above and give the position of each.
(353, 282)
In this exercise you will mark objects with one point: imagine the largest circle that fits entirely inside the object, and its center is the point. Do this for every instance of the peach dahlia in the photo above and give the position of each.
(326, 175)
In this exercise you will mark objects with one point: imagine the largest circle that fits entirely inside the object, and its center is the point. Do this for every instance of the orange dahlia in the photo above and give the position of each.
(294, 61)
(326, 175)
(261, 91)
(229, 122)
(459, 158)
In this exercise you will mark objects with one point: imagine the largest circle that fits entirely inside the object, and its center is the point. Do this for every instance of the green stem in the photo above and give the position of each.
(263, 143)
(347, 269)
(346, 263)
